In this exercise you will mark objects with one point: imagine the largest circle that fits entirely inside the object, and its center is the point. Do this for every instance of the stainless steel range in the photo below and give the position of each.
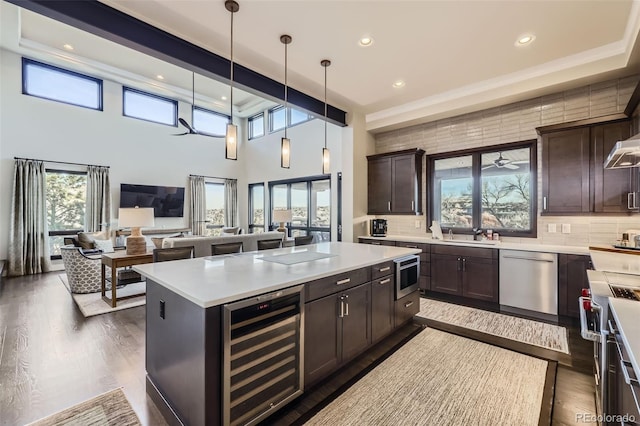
(594, 311)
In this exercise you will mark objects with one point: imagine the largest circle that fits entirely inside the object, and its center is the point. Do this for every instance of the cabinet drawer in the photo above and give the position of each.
(422, 246)
(382, 242)
(382, 269)
(406, 308)
(329, 285)
(486, 253)
(425, 269)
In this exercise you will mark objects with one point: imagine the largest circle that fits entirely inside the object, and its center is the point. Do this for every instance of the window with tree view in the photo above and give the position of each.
(66, 199)
(488, 189)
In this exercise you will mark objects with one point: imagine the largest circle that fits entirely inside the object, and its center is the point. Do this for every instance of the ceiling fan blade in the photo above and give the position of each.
(510, 166)
(180, 134)
(191, 130)
(488, 167)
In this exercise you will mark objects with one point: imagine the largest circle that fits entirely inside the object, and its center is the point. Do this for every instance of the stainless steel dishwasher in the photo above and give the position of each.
(529, 281)
(263, 350)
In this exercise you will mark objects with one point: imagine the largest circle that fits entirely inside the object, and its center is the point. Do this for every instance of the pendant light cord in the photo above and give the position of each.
(325, 106)
(286, 92)
(231, 100)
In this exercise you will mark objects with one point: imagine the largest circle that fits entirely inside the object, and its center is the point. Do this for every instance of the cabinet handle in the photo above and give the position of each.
(375, 243)
(406, 305)
(388, 205)
(341, 306)
(464, 265)
(346, 302)
(346, 280)
(412, 205)
(385, 281)
(411, 246)
(629, 205)
(544, 203)
(459, 267)
(385, 269)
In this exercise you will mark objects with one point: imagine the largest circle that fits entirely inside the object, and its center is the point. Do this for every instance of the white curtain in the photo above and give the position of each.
(230, 202)
(28, 235)
(198, 211)
(98, 204)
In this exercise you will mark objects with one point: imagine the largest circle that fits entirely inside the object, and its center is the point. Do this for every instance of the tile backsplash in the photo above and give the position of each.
(518, 122)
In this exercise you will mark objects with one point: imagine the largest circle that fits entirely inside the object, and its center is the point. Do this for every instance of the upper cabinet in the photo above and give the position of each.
(574, 180)
(395, 182)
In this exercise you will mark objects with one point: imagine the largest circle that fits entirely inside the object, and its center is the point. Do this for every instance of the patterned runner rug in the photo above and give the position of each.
(523, 330)
(109, 409)
(439, 378)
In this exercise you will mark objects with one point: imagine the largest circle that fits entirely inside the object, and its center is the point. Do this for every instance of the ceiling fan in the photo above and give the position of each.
(190, 130)
(500, 163)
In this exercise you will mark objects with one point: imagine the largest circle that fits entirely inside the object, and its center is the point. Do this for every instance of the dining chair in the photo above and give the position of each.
(303, 240)
(173, 253)
(226, 248)
(269, 244)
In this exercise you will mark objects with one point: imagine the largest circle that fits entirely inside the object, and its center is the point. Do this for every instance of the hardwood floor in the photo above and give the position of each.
(51, 357)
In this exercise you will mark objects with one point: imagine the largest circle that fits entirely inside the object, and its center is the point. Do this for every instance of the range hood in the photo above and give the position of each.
(624, 154)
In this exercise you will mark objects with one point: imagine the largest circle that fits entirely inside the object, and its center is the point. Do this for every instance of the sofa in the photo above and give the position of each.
(203, 244)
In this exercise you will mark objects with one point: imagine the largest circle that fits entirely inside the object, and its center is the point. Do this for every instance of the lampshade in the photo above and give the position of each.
(326, 161)
(282, 215)
(135, 217)
(285, 153)
(231, 142)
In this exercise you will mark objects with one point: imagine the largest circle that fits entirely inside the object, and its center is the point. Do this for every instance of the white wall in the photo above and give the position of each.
(141, 152)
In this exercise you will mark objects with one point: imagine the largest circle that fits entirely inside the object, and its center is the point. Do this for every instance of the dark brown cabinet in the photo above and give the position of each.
(381, 307)
(406, 308)
(340, 326)
(572, 278)
(395, 182)
(574, 180)
(465, 271)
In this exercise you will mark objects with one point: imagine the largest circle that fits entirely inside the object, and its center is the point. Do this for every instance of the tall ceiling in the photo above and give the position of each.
(454, 56)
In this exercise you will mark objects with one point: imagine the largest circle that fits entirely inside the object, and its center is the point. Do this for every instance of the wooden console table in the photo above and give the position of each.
(120, 259)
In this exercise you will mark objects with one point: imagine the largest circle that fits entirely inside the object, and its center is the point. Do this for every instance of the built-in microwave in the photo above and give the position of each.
(407, 275)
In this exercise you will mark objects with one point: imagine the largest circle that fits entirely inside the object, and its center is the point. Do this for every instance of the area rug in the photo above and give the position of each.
(109, 409)
(530, 332)
(439, 378)
(91, 304)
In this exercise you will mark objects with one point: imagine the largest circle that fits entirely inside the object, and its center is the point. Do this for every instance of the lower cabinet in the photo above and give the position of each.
(465, 271)
(572, 278)
(381, 307)
(337, 328)
(406, 308)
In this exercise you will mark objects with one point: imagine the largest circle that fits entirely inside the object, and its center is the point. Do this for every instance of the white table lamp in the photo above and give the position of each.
(135, 218)
(283, 216)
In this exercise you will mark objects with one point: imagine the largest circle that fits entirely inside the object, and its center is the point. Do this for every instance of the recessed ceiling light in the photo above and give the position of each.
(398, 84)
(224, 98)
(67, 46)
(525, 39)
(365, 41)
(160, 77)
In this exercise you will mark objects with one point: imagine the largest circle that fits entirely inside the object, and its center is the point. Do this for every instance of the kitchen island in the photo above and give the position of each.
(346, 297)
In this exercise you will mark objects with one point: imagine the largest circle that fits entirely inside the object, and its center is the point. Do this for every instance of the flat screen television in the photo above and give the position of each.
(167, 201)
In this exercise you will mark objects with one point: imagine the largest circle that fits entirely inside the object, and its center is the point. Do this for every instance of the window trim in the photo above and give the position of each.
(250, 121)
(251, 225)
(476, 171)
(287, 118)
(308, 180)
(99, 82)
(152, 95)
(195, 107)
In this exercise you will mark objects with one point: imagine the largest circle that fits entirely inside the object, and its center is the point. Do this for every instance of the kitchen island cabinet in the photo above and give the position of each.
(187, 306)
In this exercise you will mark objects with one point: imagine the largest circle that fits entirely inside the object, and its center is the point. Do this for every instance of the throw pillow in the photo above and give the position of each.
(86, 239)
(157, 241)
(105, 245)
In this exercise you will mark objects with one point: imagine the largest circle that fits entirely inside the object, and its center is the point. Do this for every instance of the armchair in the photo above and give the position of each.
(83, 272)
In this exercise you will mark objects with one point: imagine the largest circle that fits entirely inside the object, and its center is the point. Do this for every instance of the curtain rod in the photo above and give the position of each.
(59, 162)
(212, 177)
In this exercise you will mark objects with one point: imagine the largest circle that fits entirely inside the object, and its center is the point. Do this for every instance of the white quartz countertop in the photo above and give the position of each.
(458, 241)
(627, 316)
(211, 281)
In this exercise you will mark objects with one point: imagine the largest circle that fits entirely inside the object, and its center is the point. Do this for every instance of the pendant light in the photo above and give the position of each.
(285, 143)
(231, 138)
(326, 164)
